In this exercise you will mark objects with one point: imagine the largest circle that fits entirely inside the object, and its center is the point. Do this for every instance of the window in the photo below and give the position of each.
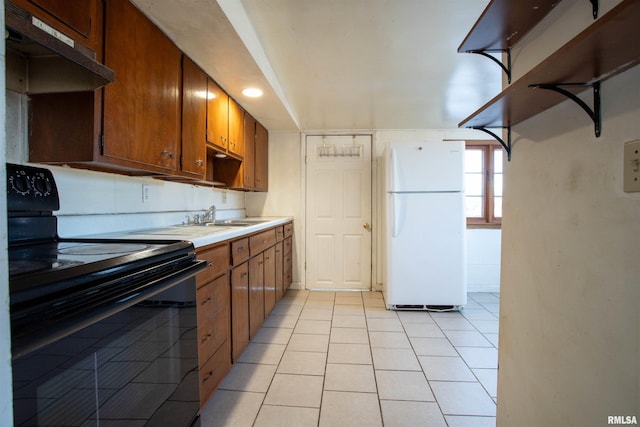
(483, 184)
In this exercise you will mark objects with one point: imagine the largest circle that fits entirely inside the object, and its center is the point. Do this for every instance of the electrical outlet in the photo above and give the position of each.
(145, 193)
(631, 169)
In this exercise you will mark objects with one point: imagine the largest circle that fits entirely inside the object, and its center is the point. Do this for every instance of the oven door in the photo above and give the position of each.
(42, 316)
(136, 366)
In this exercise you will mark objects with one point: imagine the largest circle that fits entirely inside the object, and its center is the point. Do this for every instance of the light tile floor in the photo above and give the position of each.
(341, 359)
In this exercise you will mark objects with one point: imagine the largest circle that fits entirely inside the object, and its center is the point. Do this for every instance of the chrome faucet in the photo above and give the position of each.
(210, 214)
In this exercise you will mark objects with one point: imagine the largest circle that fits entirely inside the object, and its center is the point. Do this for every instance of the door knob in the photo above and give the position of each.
(367, 226)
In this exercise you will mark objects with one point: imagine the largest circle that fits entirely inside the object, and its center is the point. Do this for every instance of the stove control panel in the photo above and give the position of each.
(31, 189)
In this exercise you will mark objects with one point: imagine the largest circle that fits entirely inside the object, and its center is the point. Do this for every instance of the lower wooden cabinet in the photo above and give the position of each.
(269, 280)
(213, 371)
(213, 317)
(279, 271)
(244, 280)
(256, 294)
(239, 309)
(287, 263)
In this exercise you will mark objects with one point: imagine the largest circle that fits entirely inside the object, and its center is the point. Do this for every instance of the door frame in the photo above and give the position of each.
(376, 284)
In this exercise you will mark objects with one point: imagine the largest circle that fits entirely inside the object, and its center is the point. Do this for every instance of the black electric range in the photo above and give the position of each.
(58, 285)
(97, 335)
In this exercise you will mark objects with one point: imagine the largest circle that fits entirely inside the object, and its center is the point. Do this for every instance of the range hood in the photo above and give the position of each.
(42, 60)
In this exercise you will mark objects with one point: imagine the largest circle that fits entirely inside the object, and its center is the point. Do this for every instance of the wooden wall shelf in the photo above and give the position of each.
(605, 48)
(504, 22)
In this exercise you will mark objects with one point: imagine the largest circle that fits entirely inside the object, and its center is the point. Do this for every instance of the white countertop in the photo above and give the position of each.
(199, 235)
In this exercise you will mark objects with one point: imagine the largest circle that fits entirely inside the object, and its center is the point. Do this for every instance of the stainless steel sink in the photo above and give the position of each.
(240, 222)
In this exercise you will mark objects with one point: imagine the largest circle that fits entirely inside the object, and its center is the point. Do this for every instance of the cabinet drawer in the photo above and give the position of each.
(217, 259)
(287, 246)
(279, 233)
(213, 317)
(239, 251)
(213, 371)
(288, 230)
(261, 241)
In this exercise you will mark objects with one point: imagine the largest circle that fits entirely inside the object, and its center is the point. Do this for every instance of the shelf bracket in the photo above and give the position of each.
(594, 113)
(506, 145)
(506, 68)
(594, 3)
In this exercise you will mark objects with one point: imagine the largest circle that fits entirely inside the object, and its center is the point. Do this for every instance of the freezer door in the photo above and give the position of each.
(425, 166)
(425, 251)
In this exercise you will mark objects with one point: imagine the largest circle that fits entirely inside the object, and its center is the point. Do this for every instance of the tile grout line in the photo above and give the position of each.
(279, 361)
(422, 367)
(326, 361)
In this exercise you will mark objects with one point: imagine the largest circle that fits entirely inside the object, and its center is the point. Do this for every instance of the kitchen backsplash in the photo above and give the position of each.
(111, 202)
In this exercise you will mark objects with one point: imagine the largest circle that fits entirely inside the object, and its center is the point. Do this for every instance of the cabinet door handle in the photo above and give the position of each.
(243, 275)
(199, 162)
(165, 153)
(209, 375)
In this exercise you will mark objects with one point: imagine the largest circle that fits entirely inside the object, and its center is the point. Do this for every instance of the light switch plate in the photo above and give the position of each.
(631, 169)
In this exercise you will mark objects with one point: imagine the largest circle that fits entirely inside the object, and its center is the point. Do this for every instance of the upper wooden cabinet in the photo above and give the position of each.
(217, 117)
(161, 116)
(224, 122)
(252, 172)
(80, 20)
(194, 120)
(249, 161)
(133, 124)
(236, 129)
(142, 107)
(261, 158)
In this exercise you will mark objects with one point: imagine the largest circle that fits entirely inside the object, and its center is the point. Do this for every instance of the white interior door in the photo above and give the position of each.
(338, 206)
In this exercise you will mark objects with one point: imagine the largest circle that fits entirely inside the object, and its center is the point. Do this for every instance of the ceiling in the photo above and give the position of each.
(337, 64)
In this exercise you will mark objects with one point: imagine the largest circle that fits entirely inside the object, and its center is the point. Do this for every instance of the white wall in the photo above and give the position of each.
(6, 402)
(569, 321)
(285, 197)
(483, 260)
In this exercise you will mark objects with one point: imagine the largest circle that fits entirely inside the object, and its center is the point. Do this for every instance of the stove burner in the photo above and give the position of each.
(102, 249)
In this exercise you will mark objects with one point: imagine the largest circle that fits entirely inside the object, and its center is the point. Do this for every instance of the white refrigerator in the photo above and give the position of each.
(425, 225)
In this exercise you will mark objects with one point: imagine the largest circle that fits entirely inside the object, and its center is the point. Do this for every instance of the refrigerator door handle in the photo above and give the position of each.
(396, 215)
(393, 170)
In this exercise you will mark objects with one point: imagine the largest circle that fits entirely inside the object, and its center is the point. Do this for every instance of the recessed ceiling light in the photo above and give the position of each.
(252, 92)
